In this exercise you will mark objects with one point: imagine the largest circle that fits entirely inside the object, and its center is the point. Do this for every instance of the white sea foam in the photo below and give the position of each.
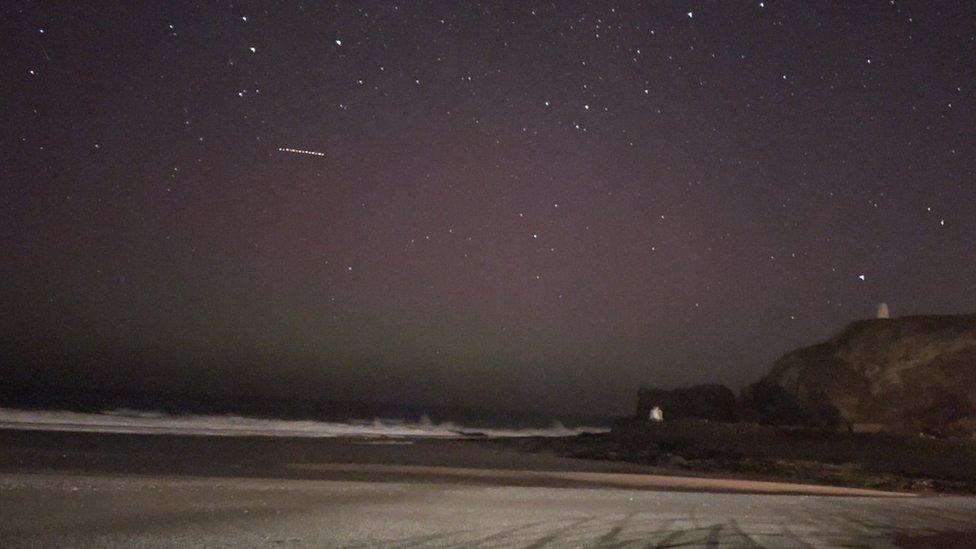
(133, 421)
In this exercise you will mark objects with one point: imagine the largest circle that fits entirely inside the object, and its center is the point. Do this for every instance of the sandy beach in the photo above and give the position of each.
(102, 489)
(126, 510)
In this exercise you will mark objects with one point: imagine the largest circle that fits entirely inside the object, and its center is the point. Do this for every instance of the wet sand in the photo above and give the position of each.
(259, 456)
(420, 460)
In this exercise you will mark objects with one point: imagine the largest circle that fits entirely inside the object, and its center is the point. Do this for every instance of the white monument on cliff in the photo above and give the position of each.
(883, 310)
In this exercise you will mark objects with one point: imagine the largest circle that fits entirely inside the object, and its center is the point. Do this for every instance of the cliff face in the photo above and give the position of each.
(911, 373)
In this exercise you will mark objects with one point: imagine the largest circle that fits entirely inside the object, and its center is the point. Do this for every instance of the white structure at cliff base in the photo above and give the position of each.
(883, 310)
(656, 414)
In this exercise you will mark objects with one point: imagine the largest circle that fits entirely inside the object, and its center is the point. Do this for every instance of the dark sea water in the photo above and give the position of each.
(299, 415)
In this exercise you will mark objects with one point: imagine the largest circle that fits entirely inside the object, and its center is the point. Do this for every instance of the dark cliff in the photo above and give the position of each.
(915, 373)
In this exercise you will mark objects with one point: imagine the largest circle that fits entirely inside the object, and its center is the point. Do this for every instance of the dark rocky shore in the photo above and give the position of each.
(863, 460)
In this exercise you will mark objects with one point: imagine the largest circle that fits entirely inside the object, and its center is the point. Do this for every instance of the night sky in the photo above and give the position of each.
(516, 205)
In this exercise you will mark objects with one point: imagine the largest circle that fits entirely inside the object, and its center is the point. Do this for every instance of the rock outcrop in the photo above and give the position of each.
(711, 402)
(915, 373)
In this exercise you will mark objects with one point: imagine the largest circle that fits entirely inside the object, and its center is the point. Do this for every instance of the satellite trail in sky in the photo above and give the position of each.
(300, 151)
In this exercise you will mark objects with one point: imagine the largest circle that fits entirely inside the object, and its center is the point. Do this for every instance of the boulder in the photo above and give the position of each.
(709, 402)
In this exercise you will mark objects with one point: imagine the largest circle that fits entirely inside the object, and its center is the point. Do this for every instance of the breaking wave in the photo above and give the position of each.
(148, 422)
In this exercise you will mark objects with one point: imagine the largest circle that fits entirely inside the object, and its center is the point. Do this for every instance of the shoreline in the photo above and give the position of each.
(484, 461)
